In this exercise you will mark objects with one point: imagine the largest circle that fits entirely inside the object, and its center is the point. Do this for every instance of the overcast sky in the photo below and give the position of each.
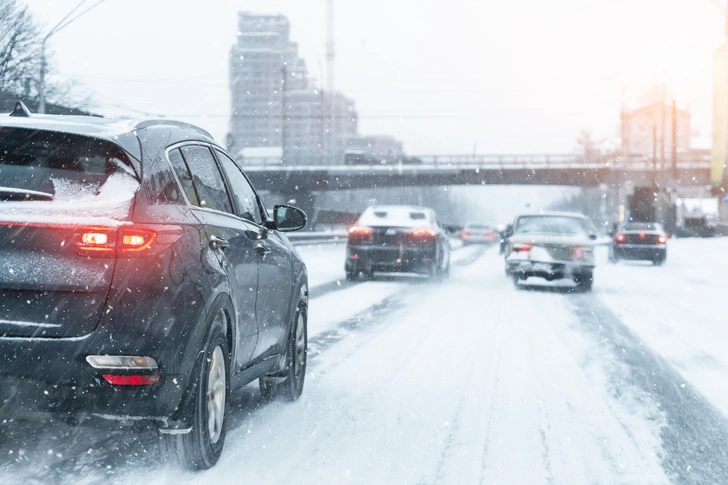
(443, 76)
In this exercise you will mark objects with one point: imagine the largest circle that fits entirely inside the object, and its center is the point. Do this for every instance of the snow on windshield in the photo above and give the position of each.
(77, 202)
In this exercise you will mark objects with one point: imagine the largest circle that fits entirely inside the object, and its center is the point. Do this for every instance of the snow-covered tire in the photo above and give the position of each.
(584, 282)
(201, 448)
(288, 384)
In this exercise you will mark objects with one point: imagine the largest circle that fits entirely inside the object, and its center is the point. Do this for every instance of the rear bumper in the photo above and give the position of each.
(52, 376)
(550, 270)
(478, 240)
(386, 259)
(639, 251)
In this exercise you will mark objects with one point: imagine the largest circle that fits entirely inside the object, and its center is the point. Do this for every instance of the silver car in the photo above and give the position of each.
(552, 246)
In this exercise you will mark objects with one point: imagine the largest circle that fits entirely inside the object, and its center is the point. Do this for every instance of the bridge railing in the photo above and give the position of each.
(498, 161)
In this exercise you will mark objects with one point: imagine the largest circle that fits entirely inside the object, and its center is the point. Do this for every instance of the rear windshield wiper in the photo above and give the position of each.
(10, 193)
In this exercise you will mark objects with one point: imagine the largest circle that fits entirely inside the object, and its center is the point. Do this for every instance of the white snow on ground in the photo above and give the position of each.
(465, 381)
(325, 262)
(678, 310)
(461, 381)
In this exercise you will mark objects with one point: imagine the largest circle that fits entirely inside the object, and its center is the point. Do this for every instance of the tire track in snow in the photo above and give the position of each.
(695, 439)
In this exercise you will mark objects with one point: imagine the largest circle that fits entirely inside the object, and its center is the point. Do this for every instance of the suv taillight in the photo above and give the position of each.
(125, 241)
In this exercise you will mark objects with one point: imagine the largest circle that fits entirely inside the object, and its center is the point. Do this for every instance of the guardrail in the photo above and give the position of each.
(302, 238)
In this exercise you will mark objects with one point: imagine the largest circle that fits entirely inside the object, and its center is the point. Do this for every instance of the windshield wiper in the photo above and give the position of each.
(10, 193)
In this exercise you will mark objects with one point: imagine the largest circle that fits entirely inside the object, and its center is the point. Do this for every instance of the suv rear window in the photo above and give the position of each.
(557, 225)
(34, 160)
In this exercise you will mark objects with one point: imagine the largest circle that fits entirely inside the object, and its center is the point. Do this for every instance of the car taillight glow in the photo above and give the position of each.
(360, 231)
(621, 238)
(135, 240)
(466, 234)
(131, 380)
(94, 238)
(521, 248)
(424, 233)
(127, 241)
(662, 239)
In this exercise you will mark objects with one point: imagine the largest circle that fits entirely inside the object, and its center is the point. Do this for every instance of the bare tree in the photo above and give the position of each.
(20, 59)
(20, 42)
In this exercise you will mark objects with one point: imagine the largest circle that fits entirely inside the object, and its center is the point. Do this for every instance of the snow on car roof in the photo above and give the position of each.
(395, 215)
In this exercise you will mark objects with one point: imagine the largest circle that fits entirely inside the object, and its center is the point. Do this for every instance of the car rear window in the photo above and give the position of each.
(556, 225)
(641, 226)
(35, 160)
(477, 226)
(394, 216)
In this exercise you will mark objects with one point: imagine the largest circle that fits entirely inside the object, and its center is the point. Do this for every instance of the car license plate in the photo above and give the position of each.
(542, 267)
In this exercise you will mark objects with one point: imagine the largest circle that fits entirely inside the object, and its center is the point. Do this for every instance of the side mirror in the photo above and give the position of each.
(593, 237)
(288, 218)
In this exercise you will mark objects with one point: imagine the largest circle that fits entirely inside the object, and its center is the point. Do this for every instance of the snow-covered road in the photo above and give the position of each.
(464, 381)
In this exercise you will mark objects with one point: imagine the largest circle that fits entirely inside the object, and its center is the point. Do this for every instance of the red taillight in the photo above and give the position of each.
(133, 380)
(662, 239)
(466, 234)
(134, 241)
(521, 248)
(98, 241)
(621, 238)
(360, 231)
(126, 241)
(423, 233)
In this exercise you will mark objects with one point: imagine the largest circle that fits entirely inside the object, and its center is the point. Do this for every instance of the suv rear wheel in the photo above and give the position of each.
(289, 383)
(201, 448)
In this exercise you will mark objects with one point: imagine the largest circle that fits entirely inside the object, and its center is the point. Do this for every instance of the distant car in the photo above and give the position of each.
(475, 233)
(397, 239)
(645, 241)
(552, 246)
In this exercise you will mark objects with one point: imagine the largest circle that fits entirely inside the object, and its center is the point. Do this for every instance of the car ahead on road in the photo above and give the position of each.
(552, 246)
(645, 241)
(141, 280)
(475, 233)
(397, 239)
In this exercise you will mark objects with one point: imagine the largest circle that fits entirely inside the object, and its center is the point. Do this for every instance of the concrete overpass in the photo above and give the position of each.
(565, 170)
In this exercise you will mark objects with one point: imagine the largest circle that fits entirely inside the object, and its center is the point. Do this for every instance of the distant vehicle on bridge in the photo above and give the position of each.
(362, 157)
(402, 239)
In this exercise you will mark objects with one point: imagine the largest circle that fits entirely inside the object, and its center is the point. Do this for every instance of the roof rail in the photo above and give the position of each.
(20, 110)
(180, 124)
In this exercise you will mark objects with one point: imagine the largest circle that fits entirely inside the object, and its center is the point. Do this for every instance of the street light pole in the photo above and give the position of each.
(60, 25)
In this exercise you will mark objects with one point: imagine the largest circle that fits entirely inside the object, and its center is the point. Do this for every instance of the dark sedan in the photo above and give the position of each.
(141, 279)
(397, 239)
(646, 241)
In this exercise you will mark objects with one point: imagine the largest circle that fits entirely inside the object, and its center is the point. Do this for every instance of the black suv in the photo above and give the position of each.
(141, 279)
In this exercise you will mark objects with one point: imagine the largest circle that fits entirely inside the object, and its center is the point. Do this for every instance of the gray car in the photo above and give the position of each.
(553, 246)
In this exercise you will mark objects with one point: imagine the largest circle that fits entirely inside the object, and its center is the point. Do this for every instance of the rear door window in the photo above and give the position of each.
(183, 174)
(206, 178)
(243, 193)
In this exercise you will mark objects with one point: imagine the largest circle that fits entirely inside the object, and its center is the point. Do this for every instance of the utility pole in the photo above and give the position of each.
(330, 45)
(674, 140)
(662, 125)
(284, 110)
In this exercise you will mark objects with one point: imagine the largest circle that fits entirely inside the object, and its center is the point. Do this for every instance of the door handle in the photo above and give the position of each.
(218, 242)
(262, 249)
